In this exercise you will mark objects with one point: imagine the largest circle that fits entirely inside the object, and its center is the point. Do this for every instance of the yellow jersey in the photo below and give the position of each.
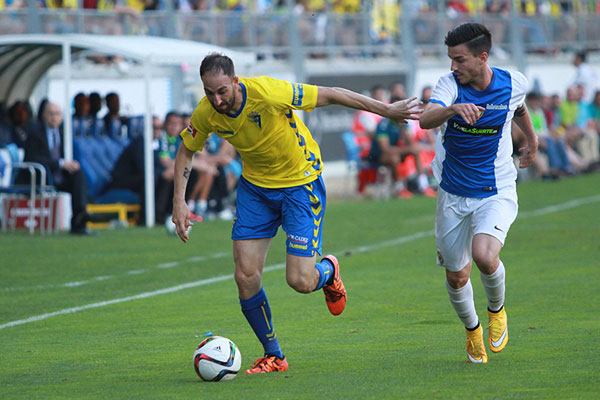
(276, 148)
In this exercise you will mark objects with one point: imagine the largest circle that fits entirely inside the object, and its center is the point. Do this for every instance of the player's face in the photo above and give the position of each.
(467, 67)
(220, 91)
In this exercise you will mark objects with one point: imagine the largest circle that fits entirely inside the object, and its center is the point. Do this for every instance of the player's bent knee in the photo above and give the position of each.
(300, 283)
(487, 261)
(247, 281)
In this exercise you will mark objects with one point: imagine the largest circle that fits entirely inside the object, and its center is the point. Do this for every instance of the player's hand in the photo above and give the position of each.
(528, 153)
(469, 112)
(181, 219)
(403, 110)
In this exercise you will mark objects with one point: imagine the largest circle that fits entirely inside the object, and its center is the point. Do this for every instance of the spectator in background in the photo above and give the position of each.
(95, 104)
(45, 146)
(570, 129)
(214, 182)
(20, 121)
(391, 146)
(585, 76)
(551, 106)
(5, 131)
(548, 142)
(128, 172)
(113, 121)
(397, 91)
(426, 93)
(586, 141)
(595, 111)
(364, 123)
(82, 123)
(168, 143)
(5, 137)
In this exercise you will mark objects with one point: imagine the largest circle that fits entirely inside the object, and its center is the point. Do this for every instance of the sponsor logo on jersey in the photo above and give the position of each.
(475, 130)
(496, 107)
(298, 246)
(296, 238)
(191, 130)
(220, 132)
(298, 94)
(255, 117)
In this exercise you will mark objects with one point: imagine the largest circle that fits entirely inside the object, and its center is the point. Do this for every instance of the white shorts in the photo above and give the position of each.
(458, 219)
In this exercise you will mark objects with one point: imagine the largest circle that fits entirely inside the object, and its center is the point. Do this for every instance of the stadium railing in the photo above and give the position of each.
(523, 27)
(36, 197)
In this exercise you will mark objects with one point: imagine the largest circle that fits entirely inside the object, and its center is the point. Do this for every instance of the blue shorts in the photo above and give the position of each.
(299, 210)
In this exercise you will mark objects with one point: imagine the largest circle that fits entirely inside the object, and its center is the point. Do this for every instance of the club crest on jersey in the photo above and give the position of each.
(191, 130)
(255, 117)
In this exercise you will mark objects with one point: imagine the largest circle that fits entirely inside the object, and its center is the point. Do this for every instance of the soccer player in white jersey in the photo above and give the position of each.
(477, 201)
(281, 184)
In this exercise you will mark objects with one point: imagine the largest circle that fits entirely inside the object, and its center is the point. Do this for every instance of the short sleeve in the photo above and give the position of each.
(520, 86)
(286, 95)
(446, 91)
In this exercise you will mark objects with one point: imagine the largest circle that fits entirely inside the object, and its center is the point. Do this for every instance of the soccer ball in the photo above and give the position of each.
(217, 359)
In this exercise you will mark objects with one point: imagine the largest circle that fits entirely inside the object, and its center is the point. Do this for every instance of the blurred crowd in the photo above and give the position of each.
(319, 22)
(399, 156)
(95, 176)
(567, 125)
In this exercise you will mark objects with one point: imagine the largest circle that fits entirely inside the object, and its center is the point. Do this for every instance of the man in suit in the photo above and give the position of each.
(45, 146)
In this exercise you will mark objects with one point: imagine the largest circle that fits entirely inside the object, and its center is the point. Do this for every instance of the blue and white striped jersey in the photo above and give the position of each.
(476, 160)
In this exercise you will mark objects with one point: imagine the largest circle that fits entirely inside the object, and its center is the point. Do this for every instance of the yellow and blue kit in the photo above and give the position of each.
(281, 183)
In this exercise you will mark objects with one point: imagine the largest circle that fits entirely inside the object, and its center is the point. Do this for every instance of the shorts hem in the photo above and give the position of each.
(252, 237)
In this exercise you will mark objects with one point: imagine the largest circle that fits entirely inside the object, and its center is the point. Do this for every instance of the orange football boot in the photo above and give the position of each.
(335, 294)
(268, 364)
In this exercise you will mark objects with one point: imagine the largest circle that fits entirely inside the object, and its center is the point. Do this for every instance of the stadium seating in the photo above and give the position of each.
(366, 173)
(97, 156)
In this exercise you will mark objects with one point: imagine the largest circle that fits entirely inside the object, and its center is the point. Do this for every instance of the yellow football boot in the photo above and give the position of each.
(475, 346)
(498, 327)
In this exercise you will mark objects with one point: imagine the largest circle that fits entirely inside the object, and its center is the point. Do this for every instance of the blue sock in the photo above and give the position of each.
(325, 269)
(258, 313)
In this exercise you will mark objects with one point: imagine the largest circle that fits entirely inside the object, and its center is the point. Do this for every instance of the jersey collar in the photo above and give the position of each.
(239, 111)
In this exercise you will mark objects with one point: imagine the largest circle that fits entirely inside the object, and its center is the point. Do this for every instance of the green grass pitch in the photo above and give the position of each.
(118, 316)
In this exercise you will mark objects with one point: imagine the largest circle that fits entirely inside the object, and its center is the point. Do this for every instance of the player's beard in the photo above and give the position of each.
(229, 108)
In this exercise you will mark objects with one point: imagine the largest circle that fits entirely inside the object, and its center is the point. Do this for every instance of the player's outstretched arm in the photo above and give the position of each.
(528, 151)
(181, 213)
(400, 111)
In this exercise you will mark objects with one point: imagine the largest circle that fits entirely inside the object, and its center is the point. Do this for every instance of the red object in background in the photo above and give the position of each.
(20, 209)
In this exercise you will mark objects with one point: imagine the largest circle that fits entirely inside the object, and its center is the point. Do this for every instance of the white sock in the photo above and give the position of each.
(191, 205)
(494, 288)
(462, 301)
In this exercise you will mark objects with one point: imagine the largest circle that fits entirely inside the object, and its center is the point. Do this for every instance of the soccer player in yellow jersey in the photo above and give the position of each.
(281, 184)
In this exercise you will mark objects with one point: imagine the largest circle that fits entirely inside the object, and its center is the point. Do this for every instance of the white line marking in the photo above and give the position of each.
(204, 282)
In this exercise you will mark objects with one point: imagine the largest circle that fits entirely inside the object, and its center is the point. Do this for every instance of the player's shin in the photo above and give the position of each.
(462, 301)
(494, 288)
(257, 311)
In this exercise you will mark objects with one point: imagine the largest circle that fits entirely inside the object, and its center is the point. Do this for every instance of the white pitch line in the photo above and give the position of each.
(204, 282)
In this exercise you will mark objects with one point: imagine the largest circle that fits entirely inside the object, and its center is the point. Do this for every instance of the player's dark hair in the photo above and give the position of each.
(215, 62)
(476, 37)
(582, 55)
